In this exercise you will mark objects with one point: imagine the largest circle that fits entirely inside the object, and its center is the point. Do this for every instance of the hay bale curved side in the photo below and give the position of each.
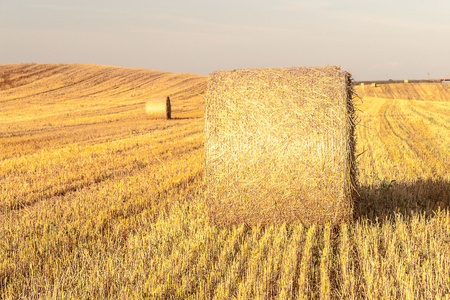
(279, 146)
(158, 108)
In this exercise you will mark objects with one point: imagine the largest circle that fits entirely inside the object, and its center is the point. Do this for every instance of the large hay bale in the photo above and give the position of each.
(280, 145)
(158, 108)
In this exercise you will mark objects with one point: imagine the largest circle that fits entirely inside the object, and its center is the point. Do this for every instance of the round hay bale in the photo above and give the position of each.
(280, 146)
(158, 108)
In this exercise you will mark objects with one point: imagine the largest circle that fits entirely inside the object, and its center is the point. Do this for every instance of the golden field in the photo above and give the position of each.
(99, 202)
(425, 90)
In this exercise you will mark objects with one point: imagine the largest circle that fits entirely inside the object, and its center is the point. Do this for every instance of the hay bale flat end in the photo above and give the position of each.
(158, 108)
(280, 145)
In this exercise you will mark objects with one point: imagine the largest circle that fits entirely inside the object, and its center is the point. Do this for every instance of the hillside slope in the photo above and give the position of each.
(55, 89)
(426, 91)
(51, 105)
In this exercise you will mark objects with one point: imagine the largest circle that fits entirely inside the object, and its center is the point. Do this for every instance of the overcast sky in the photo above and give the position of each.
(382, 39)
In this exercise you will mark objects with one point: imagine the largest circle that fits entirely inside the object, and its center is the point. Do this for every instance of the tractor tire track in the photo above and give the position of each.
(406, 132)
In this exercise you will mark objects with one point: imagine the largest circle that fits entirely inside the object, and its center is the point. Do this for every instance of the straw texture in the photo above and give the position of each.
(280, 145)
(158, 108)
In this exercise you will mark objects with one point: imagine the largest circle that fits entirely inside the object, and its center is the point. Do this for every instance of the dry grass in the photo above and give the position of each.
(115, 209)
(280, 146)
(158, 108)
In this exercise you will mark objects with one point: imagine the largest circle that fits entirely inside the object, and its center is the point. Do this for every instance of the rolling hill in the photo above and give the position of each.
(55, 90)
(40, 103)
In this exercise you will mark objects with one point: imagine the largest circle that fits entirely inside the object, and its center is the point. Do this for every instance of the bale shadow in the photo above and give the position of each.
(184, 118)
(385, 200)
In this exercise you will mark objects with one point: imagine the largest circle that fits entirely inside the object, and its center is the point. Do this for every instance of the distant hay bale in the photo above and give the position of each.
(362, 84)
(280, 146)
(405, 81)
(158, 108)
(374, 84)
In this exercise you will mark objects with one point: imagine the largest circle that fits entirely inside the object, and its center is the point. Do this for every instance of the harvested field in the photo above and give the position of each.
(425, 91)
(98, 202)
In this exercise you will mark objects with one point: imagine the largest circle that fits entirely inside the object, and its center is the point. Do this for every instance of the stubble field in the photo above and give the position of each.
(97, 201)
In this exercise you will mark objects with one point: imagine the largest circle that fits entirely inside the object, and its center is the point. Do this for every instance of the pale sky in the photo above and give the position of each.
(375, 40)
